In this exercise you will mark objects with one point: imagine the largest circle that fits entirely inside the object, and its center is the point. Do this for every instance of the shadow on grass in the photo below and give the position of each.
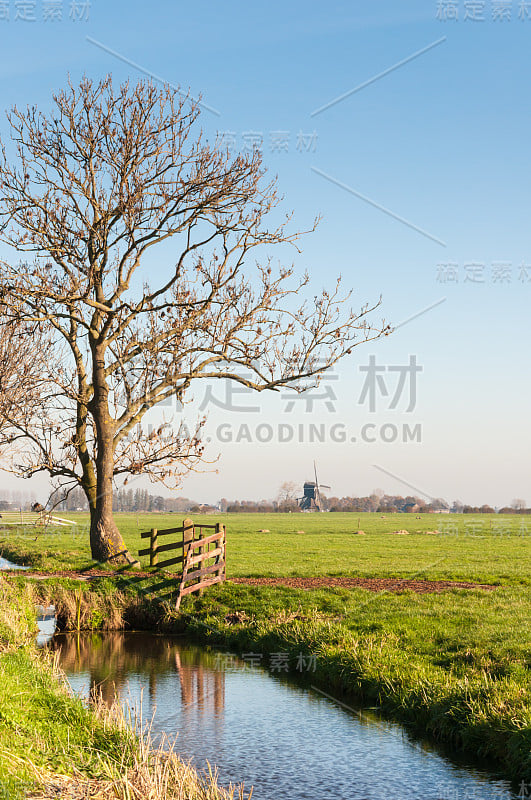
(158, 585)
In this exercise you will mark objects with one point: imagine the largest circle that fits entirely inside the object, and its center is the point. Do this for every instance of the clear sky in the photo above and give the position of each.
(421, 172)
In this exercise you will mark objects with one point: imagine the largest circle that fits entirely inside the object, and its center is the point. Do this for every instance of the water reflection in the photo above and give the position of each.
(45, 624)
(112, 664)
(200, 686)
(5, 564)
(282, 738)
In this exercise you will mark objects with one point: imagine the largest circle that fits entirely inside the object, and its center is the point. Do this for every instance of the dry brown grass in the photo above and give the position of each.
(84, 609)
(156, 772)
(161, 775)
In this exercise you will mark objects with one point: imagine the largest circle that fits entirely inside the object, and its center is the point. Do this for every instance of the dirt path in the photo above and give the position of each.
(83, 575)
(371, 584)
(319, 582)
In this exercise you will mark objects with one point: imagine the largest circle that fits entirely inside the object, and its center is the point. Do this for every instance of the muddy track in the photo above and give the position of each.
(371, 584)
(318, 582)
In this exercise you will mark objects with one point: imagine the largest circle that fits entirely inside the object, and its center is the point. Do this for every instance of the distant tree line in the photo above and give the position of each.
(287, 501)
(253, 507)
(131, 501)
(140, 500)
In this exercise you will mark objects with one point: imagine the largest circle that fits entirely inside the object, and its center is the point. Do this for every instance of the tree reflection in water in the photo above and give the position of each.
(110, 659)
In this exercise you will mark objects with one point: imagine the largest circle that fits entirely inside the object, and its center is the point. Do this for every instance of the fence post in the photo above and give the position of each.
(188, 536)
(200, 551)
(219, 529)
(154, 548)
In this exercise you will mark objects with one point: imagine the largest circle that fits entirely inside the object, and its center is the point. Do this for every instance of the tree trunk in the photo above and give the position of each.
(106, 542)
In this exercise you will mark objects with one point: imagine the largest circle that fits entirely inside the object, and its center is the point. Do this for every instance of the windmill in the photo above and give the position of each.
(311, 498)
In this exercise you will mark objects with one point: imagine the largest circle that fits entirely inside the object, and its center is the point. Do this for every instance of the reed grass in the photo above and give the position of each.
(151, 772)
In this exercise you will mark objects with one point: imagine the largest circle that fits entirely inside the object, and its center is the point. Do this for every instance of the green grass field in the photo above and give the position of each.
(485, 549)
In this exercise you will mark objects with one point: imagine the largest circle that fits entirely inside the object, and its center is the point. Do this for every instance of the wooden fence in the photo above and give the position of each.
(203, 558)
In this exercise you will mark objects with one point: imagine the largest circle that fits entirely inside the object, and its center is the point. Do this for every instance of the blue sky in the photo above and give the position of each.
(440, 141)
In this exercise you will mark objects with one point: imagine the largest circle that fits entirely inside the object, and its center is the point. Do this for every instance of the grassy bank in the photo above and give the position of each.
(52, 745)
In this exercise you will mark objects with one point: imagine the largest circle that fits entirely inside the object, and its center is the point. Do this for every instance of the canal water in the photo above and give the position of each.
(45, 624)
(285, 739)
(5, 564)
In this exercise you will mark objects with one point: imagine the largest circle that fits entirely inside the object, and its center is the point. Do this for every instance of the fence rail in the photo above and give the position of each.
(206, 553)
(33, 518)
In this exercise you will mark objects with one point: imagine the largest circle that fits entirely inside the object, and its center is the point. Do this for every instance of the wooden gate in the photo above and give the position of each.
(203, 558)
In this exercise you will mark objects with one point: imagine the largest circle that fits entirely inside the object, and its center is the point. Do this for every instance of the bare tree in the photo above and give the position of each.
(24, 351)
(287, 496)
(287, 491)
(96, 184)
